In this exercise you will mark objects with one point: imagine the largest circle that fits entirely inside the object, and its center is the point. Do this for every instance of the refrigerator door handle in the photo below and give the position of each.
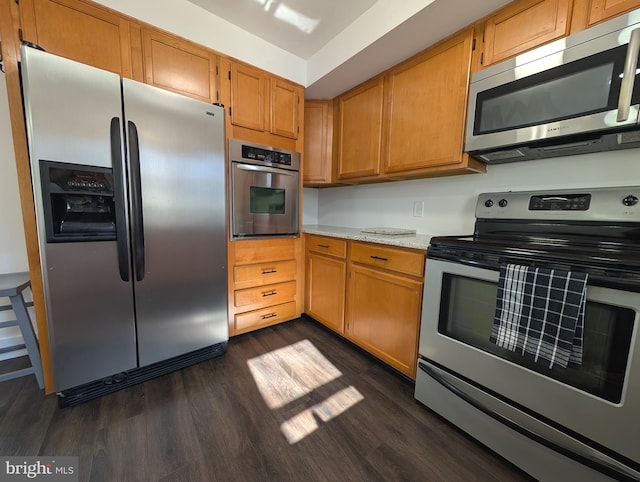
(122, 234)
(136, 201)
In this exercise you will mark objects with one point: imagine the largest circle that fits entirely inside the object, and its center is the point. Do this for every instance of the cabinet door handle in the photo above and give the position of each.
(379, 258)
(325, 246)
(269, 293)
(269, 271)
(270, 315)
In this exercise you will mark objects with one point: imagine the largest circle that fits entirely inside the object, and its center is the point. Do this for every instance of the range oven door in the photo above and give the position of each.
(587, 415)
(264, 201)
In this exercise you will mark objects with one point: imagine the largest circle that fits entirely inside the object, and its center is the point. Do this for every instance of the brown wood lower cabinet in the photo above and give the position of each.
(381, 307)
(263, 289)
(326, 271)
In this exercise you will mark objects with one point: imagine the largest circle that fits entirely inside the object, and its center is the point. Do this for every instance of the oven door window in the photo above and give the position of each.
(466, 314)
(265, 200)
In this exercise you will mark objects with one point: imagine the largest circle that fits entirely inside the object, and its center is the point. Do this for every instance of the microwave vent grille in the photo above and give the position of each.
(501, 155)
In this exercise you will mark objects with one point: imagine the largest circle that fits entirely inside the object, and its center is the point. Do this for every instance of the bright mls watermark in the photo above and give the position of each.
(52, 469)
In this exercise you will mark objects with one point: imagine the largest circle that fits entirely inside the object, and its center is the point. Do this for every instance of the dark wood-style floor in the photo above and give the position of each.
(211, 422)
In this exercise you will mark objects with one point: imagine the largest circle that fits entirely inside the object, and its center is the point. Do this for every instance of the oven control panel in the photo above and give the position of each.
(592, 204)
(259, 155)
(566, 202)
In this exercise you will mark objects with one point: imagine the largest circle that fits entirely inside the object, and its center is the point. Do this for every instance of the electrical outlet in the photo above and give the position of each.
(418, 209)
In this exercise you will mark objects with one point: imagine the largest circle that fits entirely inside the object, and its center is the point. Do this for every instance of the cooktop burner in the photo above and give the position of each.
(592, 230)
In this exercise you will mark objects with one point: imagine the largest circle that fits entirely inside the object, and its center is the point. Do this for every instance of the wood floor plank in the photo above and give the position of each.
(120, 452)
(171, 440)
(27, 417)
(292, 402)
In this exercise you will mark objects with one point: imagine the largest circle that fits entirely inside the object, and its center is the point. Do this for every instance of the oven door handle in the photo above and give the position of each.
(608, 468)
(249, 167)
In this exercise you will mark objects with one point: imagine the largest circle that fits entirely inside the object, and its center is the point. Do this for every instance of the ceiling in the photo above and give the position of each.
(301, 27)
(353, 30)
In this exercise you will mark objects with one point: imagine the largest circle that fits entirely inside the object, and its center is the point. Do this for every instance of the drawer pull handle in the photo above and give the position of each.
(269, 293)
(270, 315)
(269, 271)
(325, 246)
(380, 258)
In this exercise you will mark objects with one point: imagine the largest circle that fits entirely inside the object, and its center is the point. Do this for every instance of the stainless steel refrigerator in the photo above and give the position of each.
(129, 187)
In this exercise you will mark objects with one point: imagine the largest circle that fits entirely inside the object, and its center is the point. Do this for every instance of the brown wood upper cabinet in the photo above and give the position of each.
(590, 12)
(285, 98)
(411, 118)
(264, 103)
(78, 31)
(360, 135)
(524, 25)
(317, 159)
(175, 64)
(426, 108)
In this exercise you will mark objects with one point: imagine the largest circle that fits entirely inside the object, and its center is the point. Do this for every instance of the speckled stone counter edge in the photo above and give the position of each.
(415, 241)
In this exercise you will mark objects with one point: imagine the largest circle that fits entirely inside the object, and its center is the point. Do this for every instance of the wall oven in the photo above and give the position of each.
(575, 422)
(265, 190)
(576, 95)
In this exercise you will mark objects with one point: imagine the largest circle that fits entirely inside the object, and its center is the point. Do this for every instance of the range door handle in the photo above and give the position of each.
(590, 458)
(628, 76)
(122, 233)
(136, 201)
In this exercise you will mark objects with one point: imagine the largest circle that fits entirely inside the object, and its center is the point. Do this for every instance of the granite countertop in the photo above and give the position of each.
(415, 241)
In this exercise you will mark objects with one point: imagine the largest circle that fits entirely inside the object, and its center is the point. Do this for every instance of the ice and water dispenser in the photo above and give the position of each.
(78, 202)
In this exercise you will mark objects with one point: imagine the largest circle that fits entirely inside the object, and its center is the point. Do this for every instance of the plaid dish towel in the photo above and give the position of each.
(540, 314)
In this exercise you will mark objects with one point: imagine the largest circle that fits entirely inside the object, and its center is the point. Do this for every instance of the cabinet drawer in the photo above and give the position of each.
(264, 317)
(327, 245)
(265, 273)
(263, 296)
(395, 259)
(260, 250)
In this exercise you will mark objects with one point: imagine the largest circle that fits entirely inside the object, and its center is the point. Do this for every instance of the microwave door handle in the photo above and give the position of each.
(249, 167)
(628, 76)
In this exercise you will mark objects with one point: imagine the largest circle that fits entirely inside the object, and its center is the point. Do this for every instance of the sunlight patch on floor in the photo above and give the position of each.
(286, 374)
(290, 373)
(303, 424)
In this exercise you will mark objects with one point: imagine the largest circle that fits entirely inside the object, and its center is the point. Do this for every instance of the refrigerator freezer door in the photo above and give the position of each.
(68, 108)
(181, 292)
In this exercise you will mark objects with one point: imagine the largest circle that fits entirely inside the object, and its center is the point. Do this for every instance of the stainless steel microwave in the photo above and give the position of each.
(265, 190)
(576, 95)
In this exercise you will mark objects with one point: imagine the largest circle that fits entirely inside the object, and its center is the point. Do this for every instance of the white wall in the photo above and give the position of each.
(13, 251)
(310, 206)
(449, 202)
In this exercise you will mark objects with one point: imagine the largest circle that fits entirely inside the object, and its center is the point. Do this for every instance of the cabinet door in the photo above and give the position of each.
(175, 64)
(383, 316)
(524, 25)
(318, 137)
(426, 100)
(247, 96)
(78, 31)
(326, 290)
(360, 131)
(600, 10)
(285, 98)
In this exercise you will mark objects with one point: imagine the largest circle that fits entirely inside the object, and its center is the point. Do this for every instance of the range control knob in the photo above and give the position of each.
(488, 203)
(503, 203)
(630, 200)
